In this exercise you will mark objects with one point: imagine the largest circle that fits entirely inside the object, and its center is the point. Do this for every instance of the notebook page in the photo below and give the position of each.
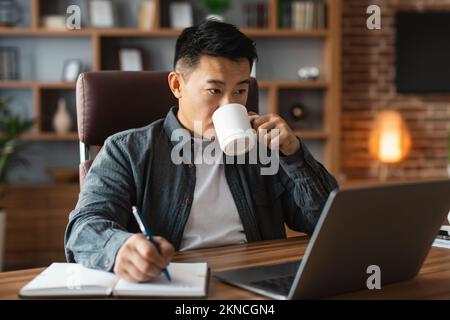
(70, 279)
(188, 280)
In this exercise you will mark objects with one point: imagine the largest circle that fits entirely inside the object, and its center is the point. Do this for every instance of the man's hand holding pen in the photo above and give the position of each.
(138, 259)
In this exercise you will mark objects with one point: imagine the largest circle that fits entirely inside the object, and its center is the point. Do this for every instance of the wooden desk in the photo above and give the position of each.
(433, 281)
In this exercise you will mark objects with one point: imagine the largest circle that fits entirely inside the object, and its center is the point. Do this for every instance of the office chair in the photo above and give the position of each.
(112, 101)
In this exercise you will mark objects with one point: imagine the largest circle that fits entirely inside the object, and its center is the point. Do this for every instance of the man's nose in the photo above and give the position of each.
(227, 99)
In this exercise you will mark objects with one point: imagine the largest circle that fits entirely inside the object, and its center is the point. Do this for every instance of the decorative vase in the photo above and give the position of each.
(62, 122)
(214, 16)
(2, 236)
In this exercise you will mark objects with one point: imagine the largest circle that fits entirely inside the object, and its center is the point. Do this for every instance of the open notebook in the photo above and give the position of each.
(71, 279)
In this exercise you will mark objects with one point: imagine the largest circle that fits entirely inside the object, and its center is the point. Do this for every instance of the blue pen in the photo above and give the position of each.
(146, 231)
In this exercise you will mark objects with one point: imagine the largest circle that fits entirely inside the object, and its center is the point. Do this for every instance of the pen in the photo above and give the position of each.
(146, 231)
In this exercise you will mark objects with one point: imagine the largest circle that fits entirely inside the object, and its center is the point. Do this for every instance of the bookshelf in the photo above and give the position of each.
(282, 51)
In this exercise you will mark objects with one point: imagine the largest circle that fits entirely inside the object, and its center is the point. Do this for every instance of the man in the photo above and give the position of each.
(192, 206)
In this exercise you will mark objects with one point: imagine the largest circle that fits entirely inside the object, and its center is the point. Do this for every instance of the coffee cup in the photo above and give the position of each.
(233, 129)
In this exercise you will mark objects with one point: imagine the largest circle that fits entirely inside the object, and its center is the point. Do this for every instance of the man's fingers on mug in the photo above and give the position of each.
(266, 127)
(272, 139)
(260, 120)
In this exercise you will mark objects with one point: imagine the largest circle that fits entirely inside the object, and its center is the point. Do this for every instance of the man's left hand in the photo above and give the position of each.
(288, 142)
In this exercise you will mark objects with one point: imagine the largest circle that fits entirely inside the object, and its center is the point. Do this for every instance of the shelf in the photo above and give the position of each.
(294, 84)
(16, 84)
(29, 84)
(50, 136)
(56, 85)
(43, 32)
(322, 33)
(133, 32)
(311, 134)
(88, 32)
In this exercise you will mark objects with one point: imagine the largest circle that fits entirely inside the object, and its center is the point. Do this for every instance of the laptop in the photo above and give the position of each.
(389, 226)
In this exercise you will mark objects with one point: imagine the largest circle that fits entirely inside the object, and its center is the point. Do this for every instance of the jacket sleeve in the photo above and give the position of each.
(97, 226)
(308, 184)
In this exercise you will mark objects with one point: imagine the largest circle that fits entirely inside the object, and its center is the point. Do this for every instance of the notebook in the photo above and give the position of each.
(443, 238)
(71, 279)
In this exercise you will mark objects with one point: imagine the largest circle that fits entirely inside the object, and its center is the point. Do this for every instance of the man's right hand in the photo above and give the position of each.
(138, 260)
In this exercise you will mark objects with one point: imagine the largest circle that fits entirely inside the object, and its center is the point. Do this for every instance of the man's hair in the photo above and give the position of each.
(213, 38)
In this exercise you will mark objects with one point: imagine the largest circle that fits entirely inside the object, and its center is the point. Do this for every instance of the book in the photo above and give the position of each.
(147, 12)
(250, 15)
(75, 280)
(3, 65)
(265, 15)
(440, 243)
(443, 238)
(295, 11)
(14, 63)
(256, 15)
(9, 63)
(260, 8)
(286, 15)
(321, 15)
(181, 15)
(102, 14)
(301, 18)
(308, 14)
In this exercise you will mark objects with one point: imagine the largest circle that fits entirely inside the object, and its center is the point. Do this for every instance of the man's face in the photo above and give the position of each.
(214, 82)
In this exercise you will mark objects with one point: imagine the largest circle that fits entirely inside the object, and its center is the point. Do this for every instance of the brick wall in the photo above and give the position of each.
(368, 76)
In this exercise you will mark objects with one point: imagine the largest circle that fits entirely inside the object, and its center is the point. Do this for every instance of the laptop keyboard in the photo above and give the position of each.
(279, 285)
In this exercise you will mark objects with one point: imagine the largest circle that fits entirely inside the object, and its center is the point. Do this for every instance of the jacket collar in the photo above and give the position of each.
(171, 124)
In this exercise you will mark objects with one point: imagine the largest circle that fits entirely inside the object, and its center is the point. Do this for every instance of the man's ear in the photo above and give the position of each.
(175, 83)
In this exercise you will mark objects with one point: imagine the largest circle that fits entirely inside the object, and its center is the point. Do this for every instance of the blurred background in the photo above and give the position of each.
(366, 87)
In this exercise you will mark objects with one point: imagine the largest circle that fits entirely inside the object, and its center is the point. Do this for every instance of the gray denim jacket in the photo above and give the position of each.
(135, 168)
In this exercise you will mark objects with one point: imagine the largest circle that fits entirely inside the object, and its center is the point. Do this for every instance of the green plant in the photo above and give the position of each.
(216, 6)
(11, 128)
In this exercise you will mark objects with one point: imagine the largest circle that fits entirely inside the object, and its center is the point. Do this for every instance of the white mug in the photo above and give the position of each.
(233, 129)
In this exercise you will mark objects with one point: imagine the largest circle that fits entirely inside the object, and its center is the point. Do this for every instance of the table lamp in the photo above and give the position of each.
(389, 141)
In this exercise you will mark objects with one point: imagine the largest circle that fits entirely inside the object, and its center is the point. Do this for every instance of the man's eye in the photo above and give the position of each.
(214, 91)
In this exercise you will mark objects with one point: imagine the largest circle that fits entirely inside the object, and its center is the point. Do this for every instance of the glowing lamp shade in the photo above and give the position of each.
(390, 139)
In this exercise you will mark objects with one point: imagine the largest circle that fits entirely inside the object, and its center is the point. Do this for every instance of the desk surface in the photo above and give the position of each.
(433, 281)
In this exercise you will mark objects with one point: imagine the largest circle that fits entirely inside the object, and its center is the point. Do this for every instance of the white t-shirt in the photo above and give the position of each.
(213, 220)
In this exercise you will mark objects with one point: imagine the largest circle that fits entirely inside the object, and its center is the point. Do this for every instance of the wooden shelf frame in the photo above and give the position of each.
(161, 32)
(50, 136)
